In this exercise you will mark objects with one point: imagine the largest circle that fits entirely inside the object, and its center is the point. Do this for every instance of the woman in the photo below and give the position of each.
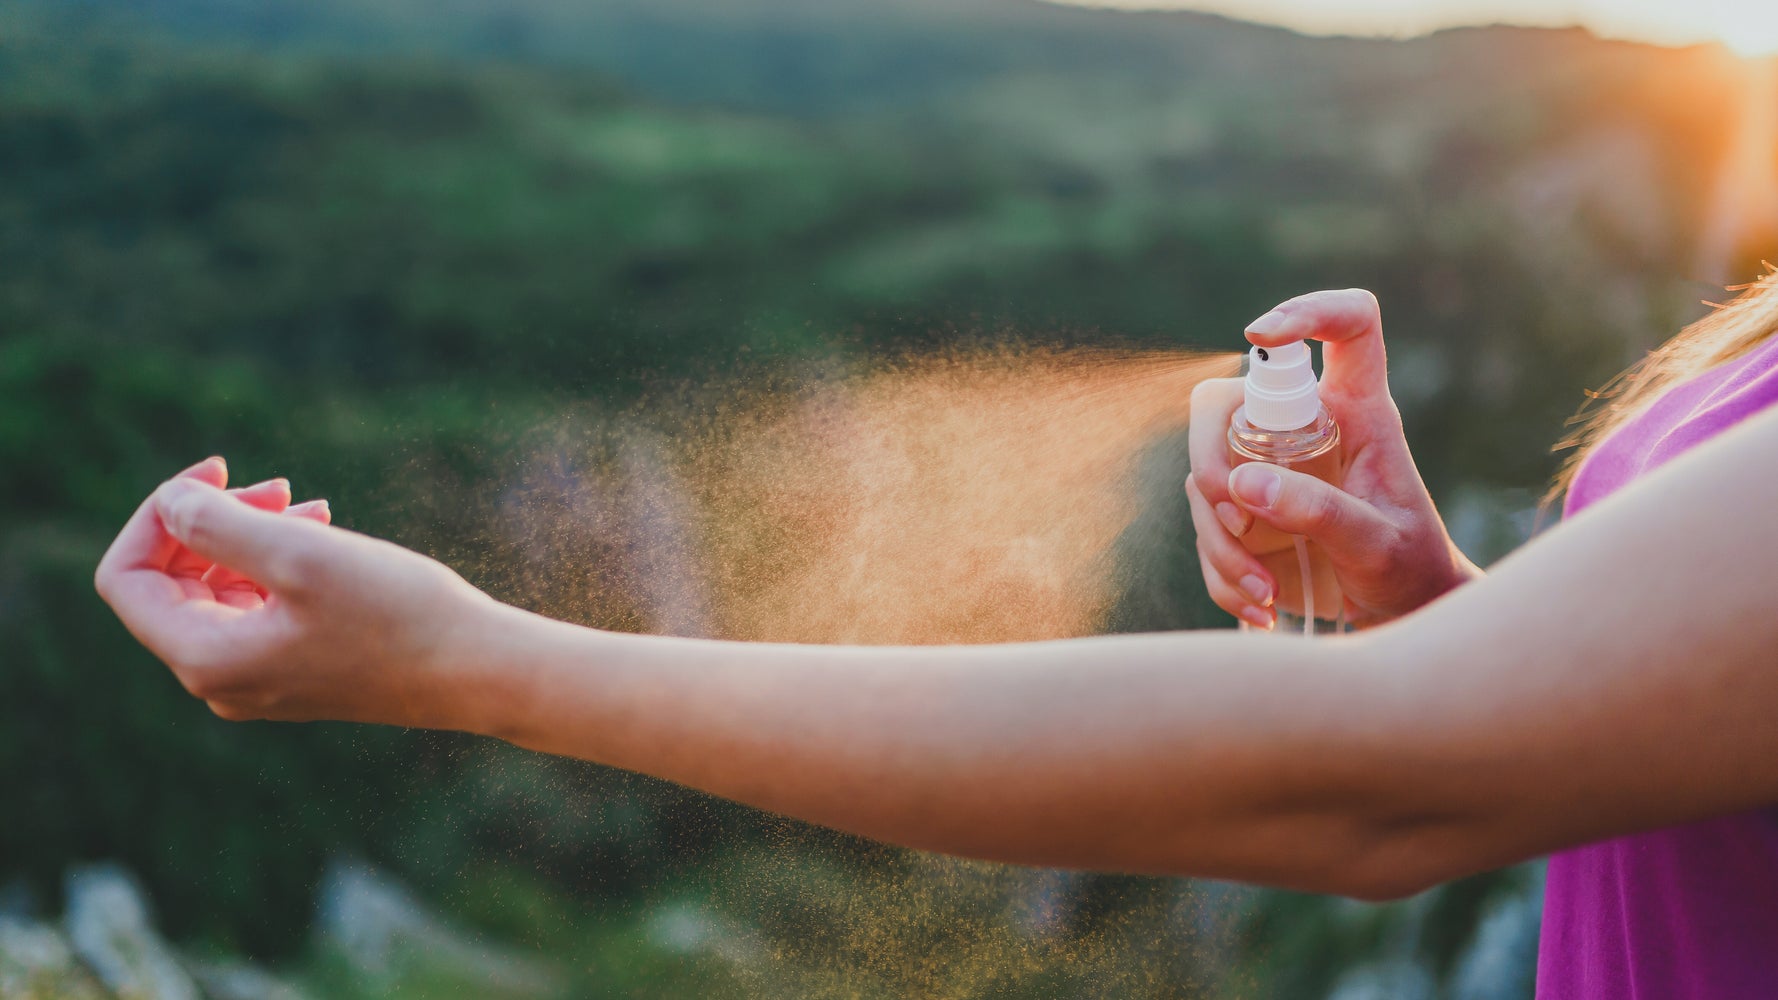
(1613, 679)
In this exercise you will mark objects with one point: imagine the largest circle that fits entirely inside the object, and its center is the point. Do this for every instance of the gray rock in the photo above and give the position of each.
(232, 979)
(36, 963)
(686, 929)
(383, 930)
(109, 924)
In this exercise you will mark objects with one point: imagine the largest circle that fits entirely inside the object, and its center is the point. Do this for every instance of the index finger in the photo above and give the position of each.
(272, 495)
(1349, 321)
(1214, 401)
(144, 542)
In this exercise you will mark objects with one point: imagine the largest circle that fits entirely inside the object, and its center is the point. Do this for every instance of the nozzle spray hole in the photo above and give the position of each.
(1263, 356)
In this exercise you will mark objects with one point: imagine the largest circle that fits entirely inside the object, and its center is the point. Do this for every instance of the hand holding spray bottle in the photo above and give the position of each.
(1283, 422)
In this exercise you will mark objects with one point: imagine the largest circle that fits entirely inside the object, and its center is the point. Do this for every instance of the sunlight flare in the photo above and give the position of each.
(1748, 28)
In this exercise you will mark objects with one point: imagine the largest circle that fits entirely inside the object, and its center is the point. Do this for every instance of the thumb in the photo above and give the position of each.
(1299, 504)
(266, 547)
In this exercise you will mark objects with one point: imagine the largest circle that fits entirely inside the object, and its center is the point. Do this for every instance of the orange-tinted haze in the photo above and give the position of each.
(972, 496)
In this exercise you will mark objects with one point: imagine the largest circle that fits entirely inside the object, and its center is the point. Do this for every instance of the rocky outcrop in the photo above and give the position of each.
(36, 963)
(382, 929)
(237, 980)
(109, 924)
(107, 947)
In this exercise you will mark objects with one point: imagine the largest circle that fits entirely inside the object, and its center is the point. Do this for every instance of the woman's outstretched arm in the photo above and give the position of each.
(1616, 674)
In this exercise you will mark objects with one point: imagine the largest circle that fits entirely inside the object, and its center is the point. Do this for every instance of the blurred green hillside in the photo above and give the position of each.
(375, 246)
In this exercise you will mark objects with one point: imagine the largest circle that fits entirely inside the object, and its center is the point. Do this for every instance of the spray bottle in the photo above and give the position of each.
(1283, 422)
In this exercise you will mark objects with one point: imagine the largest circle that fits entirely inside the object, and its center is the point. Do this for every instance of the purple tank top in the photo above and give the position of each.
(1689, 912)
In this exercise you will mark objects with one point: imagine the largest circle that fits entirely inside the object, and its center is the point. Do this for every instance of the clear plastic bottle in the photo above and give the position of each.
(1283, 422)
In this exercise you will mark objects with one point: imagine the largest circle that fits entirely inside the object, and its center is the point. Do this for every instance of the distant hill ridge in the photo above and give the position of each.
(825, 56)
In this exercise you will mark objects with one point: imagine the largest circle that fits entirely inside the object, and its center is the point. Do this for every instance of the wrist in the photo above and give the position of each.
(480, 679)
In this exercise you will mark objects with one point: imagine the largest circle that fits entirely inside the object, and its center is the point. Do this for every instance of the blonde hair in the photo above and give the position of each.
(1729, 332)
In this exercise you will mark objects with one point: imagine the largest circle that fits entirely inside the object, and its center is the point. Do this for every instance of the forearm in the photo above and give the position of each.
(1202, 753)
(1614, 676)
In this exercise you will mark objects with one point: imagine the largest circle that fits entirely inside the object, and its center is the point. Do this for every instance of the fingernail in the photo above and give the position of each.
(219, 460)
(1258, 617)
(1232, 518)
(1270, 323)
(1257, 589)
(1255, 484)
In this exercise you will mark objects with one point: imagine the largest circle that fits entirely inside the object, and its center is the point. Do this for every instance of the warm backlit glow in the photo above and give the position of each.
(993, 495)
(1752, 31)
(1745, 202)
(1748, 27)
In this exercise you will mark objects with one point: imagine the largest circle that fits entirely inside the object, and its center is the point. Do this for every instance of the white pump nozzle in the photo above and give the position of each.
(1282, 394)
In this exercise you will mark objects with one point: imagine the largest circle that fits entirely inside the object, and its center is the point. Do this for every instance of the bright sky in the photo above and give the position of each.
(1750, 27)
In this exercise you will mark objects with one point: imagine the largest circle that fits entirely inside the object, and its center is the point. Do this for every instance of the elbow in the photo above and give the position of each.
(1386, 887)
(1375, 855)
(1340, 853)
(1399, 859)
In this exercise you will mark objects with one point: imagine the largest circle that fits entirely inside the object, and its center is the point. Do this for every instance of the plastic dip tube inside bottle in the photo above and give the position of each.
(1283, 422)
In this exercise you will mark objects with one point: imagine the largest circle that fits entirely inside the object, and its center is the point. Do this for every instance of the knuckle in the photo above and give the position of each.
(1204, 560)
(205, 673)
(1212, 393)
(1393, 553)
(199, 681)
(1202, 513)
(1325, 514)
(1366, 298)
(1222, 593)
(1211, 483)
(197, 528)
(231, 711)
(1227, 598)
(1211, 535)
(1214, 549)
(299, 569)
(1231, 563)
